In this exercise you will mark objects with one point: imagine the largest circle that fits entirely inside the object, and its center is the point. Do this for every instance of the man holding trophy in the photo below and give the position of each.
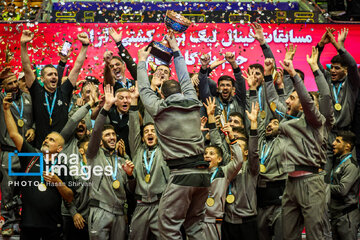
(177, 124)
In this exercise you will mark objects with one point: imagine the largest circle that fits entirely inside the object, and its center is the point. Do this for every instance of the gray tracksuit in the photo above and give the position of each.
(80, 204)
(303, 140)
(6, 146)
(243, 187)
(107, 218)
(177, 124)
(344, 210)
(145, 218)
(218, 192)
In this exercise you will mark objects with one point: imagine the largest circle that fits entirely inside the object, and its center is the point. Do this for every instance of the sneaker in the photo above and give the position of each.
(7, 232)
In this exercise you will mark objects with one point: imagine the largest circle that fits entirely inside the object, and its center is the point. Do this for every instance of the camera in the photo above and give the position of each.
(14, 203)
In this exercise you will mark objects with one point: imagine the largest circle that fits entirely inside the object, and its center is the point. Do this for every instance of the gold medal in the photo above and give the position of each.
(42, 187)
(50, 122)
(262, 168)
(263, 114)
(20, 122)
(147, 178)
(273, 106)
(337, 106)
(116, 184)
(230, 198)
(210, 201)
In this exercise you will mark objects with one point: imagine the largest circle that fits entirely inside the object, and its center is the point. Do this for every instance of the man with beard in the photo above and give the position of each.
(344, 210)
(302, 134)
(107, 191)
(42, 196)
(177, 124)
(271, 181)
(119, 116)
(151, 174)
(21, 110)
(225, 102)
(51, 101)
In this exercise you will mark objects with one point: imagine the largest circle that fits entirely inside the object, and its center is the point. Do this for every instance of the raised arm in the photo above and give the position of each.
(234, 166)
(270, 91)
(134, 124)
(259, 36)
(10, 123)
(62, 64)
(324, 40)
(181, 70)
(325, 101)
(240, 87)
(124, 54)
(26, 37)
(74, 73)
(108, 75)
(96, 135)
(312, 114)
(204, 87)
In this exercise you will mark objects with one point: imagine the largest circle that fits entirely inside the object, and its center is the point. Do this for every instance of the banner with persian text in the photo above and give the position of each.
(215, 39)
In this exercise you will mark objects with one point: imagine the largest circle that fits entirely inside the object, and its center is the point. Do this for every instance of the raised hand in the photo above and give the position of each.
(203, 123)
(195, 80)
(7, 101)
(250, 78)
(134, 93)
(83, 38)
(108, 55)
(268, 66)
(288, 66)
(342, 36)
(115, 36)
(109, 97)
(128, 167)
(216, 63)
(313, 59)
(325, 39)
(205, 60)
(290, 52)
(143, 53)
(26, 36)
(210, 106)
(172, 42)
(279, 78)
(332, 39)
(253, 116)
(230, 57)
(30, 135)
(120, 147)
(259, 33)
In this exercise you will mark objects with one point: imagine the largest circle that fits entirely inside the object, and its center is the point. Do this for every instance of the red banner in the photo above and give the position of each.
(215, 39)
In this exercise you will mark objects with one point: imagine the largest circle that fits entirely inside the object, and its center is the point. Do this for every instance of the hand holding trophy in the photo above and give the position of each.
(175, 23)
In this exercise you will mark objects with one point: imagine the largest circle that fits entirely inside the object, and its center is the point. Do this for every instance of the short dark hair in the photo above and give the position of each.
(170, 87)
(240, 130)
(46, 66)
(226, 78)
(301, 73)
(348, 137)
(236, 114)
(218, 150)
(119, 58)
(143, 127)
(121, 90)
(258, 66)
(108, 126)
(338, 59)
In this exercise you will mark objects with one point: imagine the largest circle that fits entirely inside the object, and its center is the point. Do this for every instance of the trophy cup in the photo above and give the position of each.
(175, 23)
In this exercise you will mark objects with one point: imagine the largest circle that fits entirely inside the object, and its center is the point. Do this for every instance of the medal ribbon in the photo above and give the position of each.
(283, 115)
(21, 112)
(213, 175)
(70, 107)
(83, 169)
(230, 193)
(50, 111)
(149, 164)
(42, 177)
(259, 97)
(349, 156)
(227, 110)
(262, 156)
(92, 121)
(336, 94)
(116, 163)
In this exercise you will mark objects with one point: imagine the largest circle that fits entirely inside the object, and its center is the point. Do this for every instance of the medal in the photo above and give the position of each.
(50, 122)
(50, 110)
(337, 107)
(116, 184)
(273, 106)
(263, 114)
(262, 168)
(42, 187)
(210, 201)
(147, 178)
(20, 122)
(230, 198)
